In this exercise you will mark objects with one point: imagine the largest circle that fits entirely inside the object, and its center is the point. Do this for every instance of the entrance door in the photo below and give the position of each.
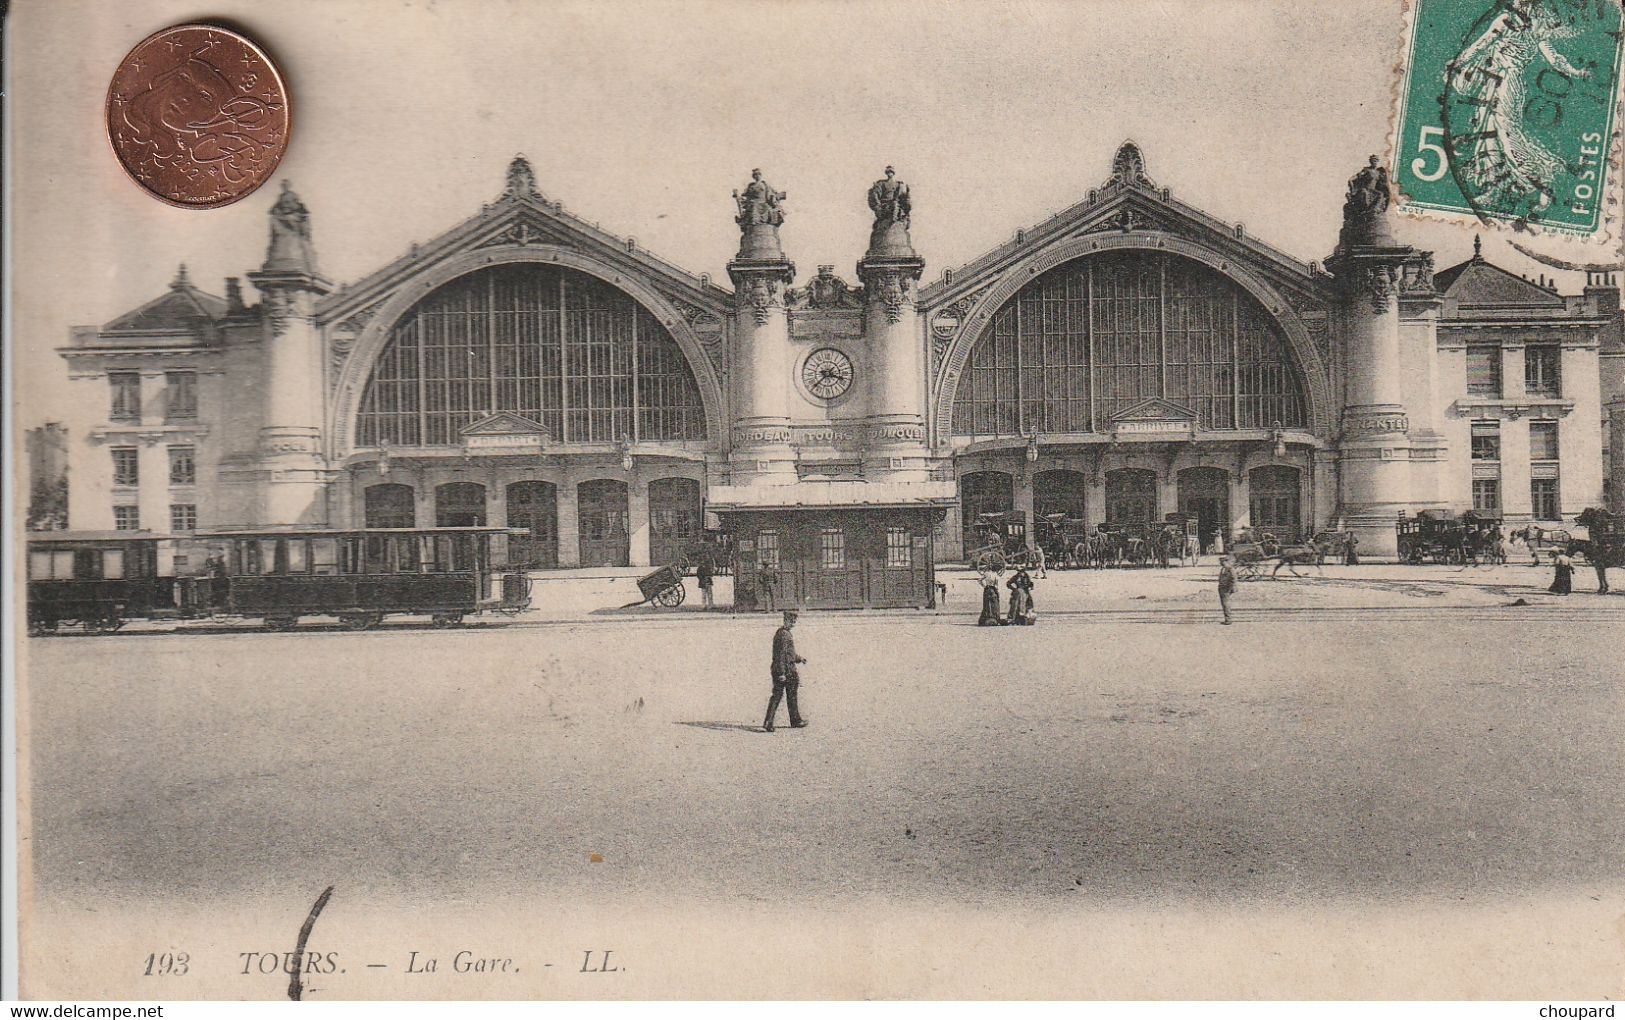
(534, 506)
(983, 492)
(602, 508)
(833, 563)
(1204, 493)
(1276, 503)
(675, 516)
(1131, 496)
(459, 505)
(390, 505)
(1056, 493)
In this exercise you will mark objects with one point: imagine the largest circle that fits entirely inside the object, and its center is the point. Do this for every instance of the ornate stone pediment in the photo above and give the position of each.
(523, 231)
(504, 423)
(1154, 416)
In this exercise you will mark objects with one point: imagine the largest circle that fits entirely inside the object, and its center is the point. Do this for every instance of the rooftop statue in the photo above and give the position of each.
(759, 203)
(1365, 209)
(889, 200)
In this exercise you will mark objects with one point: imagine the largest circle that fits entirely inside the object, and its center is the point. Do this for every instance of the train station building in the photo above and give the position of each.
(1129, 357)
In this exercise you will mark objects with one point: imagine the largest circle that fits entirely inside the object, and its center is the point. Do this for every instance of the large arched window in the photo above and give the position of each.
(555, 345)
(1092, 338)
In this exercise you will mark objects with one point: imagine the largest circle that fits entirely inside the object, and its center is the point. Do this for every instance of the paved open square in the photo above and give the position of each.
(1441, 747)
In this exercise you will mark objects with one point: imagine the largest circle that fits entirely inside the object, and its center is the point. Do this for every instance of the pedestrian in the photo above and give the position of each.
(786, 678)
(1038, 560)
(219, 582)
(1021, 599)
(990, 598)
(1227, 585)
(767, 585)
(704, 570)
(1563, 583)
(1599, 562)
(1351, 546)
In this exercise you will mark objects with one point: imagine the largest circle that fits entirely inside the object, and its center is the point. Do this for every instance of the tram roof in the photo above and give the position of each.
(101, 536)
(301, 532)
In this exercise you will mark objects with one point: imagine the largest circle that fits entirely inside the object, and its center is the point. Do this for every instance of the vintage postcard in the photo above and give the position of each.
(816, 500)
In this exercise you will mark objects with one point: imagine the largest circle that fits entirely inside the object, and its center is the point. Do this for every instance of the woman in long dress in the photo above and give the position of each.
(1563, 583)
(1021, 599)
(990, 599)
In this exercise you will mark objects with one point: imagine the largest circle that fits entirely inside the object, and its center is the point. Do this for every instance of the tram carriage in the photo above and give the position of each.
(277, 576)
(362, 575)
(98, 580)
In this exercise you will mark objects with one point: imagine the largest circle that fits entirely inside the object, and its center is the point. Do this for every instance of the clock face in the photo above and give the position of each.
(826, 373)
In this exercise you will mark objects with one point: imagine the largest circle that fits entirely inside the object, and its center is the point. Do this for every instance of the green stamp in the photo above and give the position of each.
(1507, 110)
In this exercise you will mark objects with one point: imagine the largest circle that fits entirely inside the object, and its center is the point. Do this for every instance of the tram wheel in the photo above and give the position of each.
(444, 620)
(40, 626)
(280, 623)
(356, 621)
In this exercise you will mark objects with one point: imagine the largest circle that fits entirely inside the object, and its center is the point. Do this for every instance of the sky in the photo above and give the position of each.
(644, 117)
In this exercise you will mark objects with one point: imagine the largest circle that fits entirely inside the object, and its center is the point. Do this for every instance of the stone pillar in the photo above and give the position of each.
(1241, 504)
(760, 435)
(1167, 494)
(290, 440)
(423, 499)
(637, 514)
(1025, 497)
(152, 463)
(496, 498)
(1579, 439)
(895, 386)
(1616, 455)
(1375, 445)
(569, 522)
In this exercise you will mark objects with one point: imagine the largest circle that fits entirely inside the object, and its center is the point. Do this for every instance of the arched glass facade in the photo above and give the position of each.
(1091, 338)
(558, 346)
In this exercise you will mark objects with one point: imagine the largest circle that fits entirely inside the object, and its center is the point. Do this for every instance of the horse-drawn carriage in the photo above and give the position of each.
(1439, 536)
(1604, 544)
(1001, 541)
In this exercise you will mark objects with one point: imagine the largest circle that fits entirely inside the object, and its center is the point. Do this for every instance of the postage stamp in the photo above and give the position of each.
(1508, 110)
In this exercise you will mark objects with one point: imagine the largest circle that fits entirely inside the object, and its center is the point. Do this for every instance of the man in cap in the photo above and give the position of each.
(785, 678)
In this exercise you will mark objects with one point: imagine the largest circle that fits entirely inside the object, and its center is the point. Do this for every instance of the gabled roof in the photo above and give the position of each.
(1130, 201)
(523, 216)
(179, 310)
(1477, 282)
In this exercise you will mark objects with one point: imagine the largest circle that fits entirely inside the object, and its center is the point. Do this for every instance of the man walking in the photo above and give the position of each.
(1227, 584)
(704, 570)
(1038, 559)
(786, 679)
(767, 584)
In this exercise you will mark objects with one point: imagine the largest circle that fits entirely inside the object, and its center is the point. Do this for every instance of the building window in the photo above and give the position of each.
(832, 549)
(1486, 442)
(1484, 371)
(899, 547)
(1543, 498)
(183, 517)
(182, 465)
(767, 549)
(1487, 496)
(1092, 338)
(574, 354)
(126, 396)
(1542, 440)
(126, 465)
(180, 396)
(127, 518)
(1541, 371)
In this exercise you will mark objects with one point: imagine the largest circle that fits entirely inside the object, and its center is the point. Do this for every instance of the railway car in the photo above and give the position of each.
(100, 579)
(363, 575)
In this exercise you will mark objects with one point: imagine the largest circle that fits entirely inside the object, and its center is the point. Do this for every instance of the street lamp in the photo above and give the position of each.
(1032, 448)
(383, 460)
(626, 454)
(1280, 440)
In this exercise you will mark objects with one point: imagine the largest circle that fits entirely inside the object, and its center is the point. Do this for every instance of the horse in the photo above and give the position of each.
(1534, 538)
(1289, 556)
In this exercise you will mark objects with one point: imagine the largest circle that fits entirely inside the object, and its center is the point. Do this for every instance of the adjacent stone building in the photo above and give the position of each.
(1129, 357)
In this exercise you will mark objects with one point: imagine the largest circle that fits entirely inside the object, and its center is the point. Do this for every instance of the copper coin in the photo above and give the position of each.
(198, 116)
